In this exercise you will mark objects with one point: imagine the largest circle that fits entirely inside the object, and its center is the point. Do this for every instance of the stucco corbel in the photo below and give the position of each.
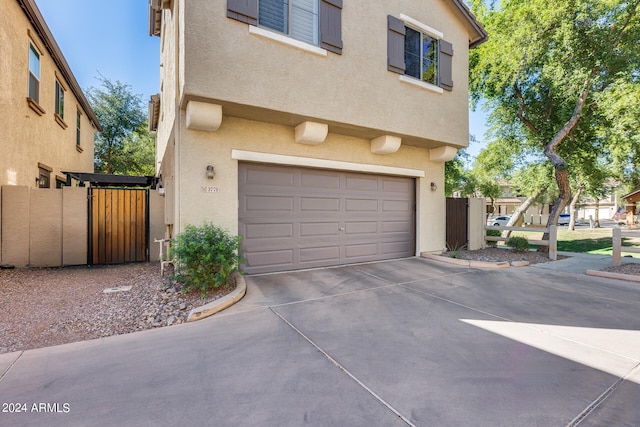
(442, 154)
(311, 133)
(385, 144)
(203, 116)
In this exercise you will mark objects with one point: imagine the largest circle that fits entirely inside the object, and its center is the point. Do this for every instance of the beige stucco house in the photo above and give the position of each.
(47, 124)
(316, 129)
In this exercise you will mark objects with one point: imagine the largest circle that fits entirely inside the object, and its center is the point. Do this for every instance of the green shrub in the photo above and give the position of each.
(205, 257)
(494, 233)
(519, 244)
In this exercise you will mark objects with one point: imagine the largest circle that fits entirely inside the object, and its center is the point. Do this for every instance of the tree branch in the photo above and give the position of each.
(520, 114)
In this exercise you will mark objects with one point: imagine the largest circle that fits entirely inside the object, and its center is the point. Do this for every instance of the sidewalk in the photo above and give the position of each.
(579, 263)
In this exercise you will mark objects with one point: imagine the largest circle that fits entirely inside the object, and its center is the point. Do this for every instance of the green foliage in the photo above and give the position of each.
(205, 257)
(493, 233)
(518, 243)
(561, 80)
(125, 145)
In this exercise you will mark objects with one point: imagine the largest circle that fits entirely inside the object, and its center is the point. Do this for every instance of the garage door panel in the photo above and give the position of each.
(281, 258)
(319, 204)
(326, 254)
(392, 248)
(396, 206)
(362, 183)
(268, 230)
(269, 203)
(313, 218)
(396, 186)
(361, 205)
(319, 179)
(361, 227)
(396, 227)
(317, 229)
(269, 177)
(361, 250)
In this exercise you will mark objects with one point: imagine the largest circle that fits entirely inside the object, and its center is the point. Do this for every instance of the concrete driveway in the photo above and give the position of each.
(406, 342)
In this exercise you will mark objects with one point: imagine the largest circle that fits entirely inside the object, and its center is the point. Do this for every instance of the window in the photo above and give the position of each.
(78, 128)
(59, 102)
(44, 176)
(316, 22)
(418, 51)
(296, 18)
(421, 56)
(34, 73)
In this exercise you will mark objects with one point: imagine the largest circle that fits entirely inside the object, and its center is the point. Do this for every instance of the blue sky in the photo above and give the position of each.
(109, 38)
(113, 39)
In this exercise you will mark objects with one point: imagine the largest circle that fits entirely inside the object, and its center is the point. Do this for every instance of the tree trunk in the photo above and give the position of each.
(596, 223)
(572, 209)
(564, 189)
(515, 217)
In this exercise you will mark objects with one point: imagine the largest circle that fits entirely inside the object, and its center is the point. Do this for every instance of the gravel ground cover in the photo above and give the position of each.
(42, 307)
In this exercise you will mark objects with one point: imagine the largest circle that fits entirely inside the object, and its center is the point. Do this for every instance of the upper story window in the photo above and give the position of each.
(420, 52)
(312, 22)
(59, 101)
(34, 73)
(295, 18)
(78, 117)
(421, 56)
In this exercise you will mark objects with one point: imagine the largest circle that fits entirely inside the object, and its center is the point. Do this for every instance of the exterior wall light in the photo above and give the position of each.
(210, 172)
(434, 187)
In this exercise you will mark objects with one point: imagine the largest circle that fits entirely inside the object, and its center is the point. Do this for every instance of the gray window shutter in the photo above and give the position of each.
(331, 25)
(395, 45)
(445, 67)
(243, 10)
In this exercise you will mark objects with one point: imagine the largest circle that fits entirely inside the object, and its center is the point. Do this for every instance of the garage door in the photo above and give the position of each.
(293, 218)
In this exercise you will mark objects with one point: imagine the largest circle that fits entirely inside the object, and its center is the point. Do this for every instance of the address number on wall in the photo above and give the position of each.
(209, 189)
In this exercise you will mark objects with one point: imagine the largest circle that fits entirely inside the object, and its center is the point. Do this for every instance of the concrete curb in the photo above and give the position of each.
(619, 276)
(471, 263)
(220, 304)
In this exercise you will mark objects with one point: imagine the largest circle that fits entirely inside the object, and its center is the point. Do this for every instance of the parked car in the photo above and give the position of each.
(565, 218)
(498, 220)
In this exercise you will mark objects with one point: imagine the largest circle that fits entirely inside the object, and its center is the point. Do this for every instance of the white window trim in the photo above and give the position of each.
(422, 84)
(286, 40)
(421, 27)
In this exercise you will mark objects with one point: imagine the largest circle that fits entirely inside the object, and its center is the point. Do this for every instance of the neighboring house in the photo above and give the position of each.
(316, 129)
(47, 123)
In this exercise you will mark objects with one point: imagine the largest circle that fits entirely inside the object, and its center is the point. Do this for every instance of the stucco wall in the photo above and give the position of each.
(354, 92)
(15, 225)
(218, 200)
(28, 138)
(74, 225)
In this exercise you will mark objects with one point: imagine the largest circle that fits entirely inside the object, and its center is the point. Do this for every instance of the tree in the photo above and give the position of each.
(125, 146)
(544, 69)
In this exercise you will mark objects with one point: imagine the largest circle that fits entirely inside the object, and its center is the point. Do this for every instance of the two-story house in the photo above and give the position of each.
(47, 125)
(315, 129)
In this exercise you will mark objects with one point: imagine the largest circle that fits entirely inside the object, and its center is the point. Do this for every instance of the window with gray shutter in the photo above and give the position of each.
(418, 55)
(331, 25)
(395, 45)
(445, 67)
(243, 10)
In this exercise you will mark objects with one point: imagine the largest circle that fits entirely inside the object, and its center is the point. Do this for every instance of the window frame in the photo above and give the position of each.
(34, 93)
(59, 99)
(421, 56)
(289, 27)
(329, 25)
(396, 35)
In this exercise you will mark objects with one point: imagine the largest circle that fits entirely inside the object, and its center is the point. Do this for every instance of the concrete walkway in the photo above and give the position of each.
(405, 342)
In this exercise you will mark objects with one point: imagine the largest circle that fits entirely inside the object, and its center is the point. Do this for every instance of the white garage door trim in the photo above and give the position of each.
(279, 159)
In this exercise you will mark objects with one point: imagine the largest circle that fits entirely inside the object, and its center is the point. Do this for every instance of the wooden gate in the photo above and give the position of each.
(457, 235)
(119, 225)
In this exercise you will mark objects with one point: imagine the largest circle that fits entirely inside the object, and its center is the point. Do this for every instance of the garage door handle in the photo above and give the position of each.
(341, 228)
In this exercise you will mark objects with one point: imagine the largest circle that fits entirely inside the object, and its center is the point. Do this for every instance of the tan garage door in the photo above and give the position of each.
(293, 218)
